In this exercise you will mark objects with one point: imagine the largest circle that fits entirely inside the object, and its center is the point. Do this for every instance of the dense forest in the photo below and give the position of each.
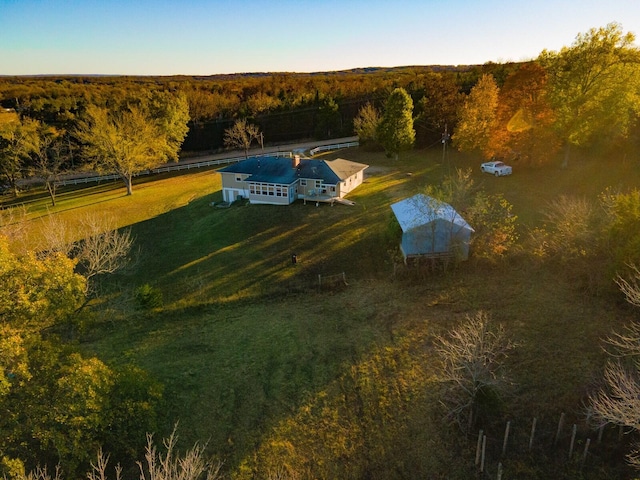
(286, 106)
(61, 407)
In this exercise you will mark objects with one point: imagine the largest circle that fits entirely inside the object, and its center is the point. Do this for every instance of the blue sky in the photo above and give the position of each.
(198, 37)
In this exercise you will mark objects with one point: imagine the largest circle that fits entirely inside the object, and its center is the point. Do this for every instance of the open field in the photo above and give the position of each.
(257, 364)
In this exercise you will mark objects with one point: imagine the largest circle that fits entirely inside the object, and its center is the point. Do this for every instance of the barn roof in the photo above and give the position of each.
(421, 210)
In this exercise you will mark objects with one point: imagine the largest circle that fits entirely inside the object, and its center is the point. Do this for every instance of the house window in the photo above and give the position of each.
(318, 184)
(238, 178)
(333, 188)
(303, 182)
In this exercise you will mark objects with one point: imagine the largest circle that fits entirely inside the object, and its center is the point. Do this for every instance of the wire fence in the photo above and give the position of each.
(569, 445)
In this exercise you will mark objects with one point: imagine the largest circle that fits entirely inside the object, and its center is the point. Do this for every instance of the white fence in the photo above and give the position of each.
(194, 165)
(336, 146)
(167, 168)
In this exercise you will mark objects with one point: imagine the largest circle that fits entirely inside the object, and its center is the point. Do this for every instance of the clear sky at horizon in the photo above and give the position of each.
(199, 37)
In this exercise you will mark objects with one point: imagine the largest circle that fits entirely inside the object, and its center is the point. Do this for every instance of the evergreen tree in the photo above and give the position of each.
(395, 131)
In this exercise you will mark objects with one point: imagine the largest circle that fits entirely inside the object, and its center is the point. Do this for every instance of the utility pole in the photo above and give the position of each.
(445, 139)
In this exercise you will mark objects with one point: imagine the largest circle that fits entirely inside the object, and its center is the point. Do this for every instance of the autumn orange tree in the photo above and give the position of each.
(477, 119)
(523, 128)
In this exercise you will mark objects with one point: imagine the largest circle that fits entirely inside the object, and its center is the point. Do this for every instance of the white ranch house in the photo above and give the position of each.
(282, 181)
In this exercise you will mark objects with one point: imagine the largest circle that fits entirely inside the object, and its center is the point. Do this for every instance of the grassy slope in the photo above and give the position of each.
(237, 365)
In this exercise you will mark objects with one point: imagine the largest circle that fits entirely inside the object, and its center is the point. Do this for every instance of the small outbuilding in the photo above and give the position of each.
(431, 228)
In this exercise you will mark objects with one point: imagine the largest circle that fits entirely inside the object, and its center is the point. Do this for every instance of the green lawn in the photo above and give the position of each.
(246, 352)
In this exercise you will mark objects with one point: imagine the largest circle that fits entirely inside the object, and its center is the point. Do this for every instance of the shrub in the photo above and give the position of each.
(148, 297)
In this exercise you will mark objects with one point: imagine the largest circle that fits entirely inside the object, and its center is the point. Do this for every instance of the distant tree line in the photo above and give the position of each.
(285, 106)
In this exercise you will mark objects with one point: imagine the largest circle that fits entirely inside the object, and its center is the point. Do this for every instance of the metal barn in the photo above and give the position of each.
(431, 228)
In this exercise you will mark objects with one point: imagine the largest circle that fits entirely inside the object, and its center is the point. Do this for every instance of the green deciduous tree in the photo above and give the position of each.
(395, 131)
(64, 407)
(78, 404)
(18, 141)
(37, 293)
(477, 117)
(51, 155)
(328, 119)
(438, 107)
(13, 361)
(365, 124)
(59, 407)
(594, 86)
(490, 215)
(134, 138)
(622, 228)
(171, 115)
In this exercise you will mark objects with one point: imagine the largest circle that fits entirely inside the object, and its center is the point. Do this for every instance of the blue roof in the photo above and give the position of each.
(280, 170)
(265, 170)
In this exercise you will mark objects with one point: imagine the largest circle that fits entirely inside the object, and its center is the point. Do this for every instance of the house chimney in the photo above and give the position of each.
(296, 161)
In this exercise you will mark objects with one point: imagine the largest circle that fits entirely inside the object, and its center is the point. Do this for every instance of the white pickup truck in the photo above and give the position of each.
(496, 168)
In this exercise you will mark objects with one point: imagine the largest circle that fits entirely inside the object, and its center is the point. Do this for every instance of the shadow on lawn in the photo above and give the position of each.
(199, 253)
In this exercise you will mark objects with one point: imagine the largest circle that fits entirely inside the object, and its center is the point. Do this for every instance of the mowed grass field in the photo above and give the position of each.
(246, 350)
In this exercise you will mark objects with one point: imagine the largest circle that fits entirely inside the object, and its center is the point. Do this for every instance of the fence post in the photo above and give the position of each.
(600, 432)
(560, 424)
(586, 450)
(573, 439)
(478, 447)
(319, 281)
(499, 471)
(506, 438)
(484, 446)
(533, 432)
